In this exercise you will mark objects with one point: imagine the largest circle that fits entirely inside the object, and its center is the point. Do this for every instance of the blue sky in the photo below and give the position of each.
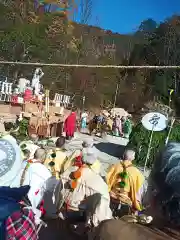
(124, 16)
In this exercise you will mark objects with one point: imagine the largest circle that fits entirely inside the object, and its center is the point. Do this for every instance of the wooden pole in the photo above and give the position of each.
(149, 149)
(116, 93)
(46, 102)
(170, 129)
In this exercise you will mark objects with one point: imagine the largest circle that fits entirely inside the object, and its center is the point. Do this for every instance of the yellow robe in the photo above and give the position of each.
(110, 123)
(62, 162)
(96, 167)
(70, 160)
(134, 182)
(58, 160)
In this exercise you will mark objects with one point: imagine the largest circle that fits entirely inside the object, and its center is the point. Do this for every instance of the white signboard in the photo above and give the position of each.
(154, 121)
(62, 99)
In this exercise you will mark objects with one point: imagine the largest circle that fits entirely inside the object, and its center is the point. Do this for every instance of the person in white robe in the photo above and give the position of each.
(35, 175)
(89, 184)
(42, 185)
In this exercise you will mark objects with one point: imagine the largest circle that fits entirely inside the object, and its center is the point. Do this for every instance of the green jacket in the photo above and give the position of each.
(127, 128)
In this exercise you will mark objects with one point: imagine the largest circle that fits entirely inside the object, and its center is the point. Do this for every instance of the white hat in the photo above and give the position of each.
(10, 161)
(88, 143)
(89, 156)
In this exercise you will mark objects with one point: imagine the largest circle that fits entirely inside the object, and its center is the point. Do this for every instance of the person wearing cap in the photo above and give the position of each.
(76, 157)
(87, 145)
(87, 191)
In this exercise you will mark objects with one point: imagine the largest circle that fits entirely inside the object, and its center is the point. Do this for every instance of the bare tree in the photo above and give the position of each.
(83, 11)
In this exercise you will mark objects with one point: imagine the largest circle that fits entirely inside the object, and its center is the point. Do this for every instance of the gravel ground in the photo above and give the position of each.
(108, 149)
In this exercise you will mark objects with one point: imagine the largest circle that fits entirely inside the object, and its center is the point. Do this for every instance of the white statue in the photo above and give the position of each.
(23, 83)
(36, 80)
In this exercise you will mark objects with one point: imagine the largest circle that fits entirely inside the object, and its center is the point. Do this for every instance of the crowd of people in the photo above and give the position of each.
(59, 184)
(113, 125)
(122, 126)
(51, 183)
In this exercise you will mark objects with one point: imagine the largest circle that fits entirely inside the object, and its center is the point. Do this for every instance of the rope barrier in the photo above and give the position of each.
(89, 66)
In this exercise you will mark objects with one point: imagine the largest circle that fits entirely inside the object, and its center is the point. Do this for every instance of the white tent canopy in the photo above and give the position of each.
(105, 113)
(119, 111)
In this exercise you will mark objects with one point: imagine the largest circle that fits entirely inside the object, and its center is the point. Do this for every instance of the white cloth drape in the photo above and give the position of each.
(89, 184)
(36, 177)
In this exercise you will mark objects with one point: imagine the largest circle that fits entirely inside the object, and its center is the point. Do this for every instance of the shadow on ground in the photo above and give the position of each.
(56, 230)
(111, 149)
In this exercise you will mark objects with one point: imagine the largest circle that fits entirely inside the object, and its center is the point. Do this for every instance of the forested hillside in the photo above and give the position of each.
(28, 34)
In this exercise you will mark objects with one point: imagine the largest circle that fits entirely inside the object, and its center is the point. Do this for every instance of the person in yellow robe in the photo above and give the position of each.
(78, 154)
(56, 158)
(109, 123)
(126, 184)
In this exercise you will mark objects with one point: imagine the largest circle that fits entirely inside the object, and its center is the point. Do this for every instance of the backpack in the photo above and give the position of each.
(9, 203)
